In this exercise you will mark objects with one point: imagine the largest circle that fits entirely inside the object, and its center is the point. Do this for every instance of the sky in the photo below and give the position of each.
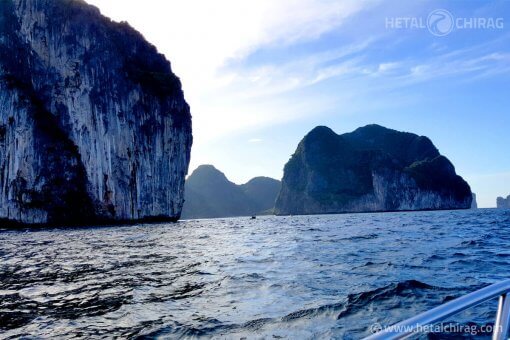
(259, 75)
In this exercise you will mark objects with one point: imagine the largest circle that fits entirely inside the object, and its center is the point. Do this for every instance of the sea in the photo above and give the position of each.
(294, 277)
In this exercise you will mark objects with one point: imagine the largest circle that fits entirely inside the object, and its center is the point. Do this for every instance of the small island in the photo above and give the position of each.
(503, 203)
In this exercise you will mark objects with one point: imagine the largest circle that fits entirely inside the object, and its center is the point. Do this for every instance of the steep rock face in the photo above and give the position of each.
(93, 123)
(503, 203)
(210, 194)
(474, 203)
(370, 169)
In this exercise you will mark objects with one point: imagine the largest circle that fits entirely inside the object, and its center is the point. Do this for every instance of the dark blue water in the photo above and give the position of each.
(329, 276)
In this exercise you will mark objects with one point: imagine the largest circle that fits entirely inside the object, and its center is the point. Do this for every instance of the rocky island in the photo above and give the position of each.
(368, 170)
(210, 194)
(94, 126)
(503, 203)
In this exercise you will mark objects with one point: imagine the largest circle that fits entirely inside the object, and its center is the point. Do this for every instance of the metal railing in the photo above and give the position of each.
(411, 326)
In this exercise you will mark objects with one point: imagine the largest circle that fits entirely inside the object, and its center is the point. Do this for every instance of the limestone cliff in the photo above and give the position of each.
(370, 169)
(93, 123)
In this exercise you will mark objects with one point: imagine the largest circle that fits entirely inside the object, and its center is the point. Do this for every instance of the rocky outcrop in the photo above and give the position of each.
(370, 169)
(209, 194)
(503, 203)
(261, 193)
(93, 123)
(474, 203)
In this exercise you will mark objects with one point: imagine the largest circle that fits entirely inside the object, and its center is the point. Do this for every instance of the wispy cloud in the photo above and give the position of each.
(279, 77)
(387, 67)
(474, 66)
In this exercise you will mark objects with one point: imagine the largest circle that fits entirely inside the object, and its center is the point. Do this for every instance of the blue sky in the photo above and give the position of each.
(260, 75)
